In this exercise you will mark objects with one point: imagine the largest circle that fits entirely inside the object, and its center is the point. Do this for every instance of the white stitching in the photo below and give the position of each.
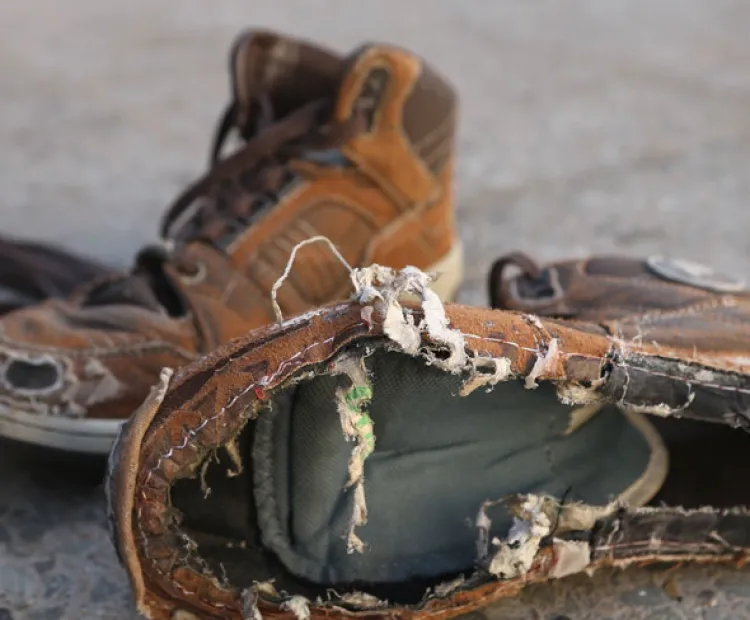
(193, 432)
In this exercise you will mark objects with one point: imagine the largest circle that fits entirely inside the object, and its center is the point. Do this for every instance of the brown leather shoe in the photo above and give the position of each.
(362, 458)
(357, 149)
(31, 272)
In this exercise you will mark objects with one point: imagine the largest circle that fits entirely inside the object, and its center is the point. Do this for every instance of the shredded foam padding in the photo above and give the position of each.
(536, 517)
(487, 373)
(357, 425)
(383, 288)
(299, 606)
(515, 555)
(250, 609)
(543, 363)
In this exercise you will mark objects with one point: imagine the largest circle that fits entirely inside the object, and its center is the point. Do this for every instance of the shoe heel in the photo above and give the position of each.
(449, 272)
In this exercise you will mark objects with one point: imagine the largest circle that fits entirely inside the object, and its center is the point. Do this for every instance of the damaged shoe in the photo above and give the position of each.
(358, 149)
(31, 272)
(396, 458)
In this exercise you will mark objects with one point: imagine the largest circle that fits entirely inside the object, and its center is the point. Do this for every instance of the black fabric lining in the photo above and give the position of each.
(423, 485)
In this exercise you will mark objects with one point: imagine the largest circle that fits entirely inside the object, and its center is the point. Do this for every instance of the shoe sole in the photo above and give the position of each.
(97, 436)
(69, 434)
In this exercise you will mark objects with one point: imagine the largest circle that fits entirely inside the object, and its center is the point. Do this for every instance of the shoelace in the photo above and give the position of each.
(238, 187)
(234, 191)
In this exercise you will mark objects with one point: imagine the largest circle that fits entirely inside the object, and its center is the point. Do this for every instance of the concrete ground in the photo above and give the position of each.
(587, 126)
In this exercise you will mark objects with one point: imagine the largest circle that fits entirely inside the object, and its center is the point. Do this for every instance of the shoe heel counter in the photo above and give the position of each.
(411, 123)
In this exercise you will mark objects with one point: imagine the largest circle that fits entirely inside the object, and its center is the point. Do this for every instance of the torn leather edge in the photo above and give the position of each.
(589, 373)
(549, 540)
(120, 487)
(669, 387)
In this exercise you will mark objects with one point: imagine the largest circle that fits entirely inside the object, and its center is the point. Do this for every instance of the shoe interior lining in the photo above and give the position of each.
(438, 456)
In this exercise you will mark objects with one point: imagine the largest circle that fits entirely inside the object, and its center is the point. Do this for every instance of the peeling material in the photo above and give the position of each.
(250, 609)
(299, 606)
(544, 361)
(357, 425)
(448, 587)
(576, 394)
(486, 372)
(515, 555)
(662, 410)
(362, 600)
(205, 489)
(234, 455)
(572, 557)
(536, 517)
(384, 288)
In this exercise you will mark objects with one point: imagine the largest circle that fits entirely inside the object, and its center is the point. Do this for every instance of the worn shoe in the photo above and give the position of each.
(356, 149)
(362, 458)
(31, 272)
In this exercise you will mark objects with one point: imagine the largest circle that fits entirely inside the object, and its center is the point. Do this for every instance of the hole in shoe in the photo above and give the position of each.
(437, 458)
(32, 376)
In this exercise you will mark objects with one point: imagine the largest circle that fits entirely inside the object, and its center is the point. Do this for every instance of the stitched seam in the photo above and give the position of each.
(192, 433)
(263, 381)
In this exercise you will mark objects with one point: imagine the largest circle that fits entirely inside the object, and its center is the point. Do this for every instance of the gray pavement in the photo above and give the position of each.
(587, 126)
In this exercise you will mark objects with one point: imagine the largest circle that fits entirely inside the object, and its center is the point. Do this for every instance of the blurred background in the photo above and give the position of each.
(616, 126)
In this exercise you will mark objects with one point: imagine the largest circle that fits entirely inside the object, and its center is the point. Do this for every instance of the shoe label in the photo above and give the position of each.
(694, 274)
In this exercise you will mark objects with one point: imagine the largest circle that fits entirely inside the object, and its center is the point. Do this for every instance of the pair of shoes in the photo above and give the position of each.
(357, 149)
(391, 457)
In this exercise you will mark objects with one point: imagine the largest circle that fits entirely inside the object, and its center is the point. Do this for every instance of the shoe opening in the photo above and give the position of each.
(284, 511)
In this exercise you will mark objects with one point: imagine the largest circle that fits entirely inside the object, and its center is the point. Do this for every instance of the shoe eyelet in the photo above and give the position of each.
(197, 276)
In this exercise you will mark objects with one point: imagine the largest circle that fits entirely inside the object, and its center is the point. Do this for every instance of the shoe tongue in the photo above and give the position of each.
(289, 71)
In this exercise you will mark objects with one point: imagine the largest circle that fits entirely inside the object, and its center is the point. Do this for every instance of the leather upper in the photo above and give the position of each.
(673, 303)
(356, 149)
(208, 403)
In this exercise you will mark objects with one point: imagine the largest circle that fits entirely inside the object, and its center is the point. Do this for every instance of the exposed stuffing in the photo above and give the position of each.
(534, 518)
(384, 289)
(544, 361)
(486, 372)
(357, 425)
(448, 587)
(662, 410)
(250, 609)
(299, 606)
(515, 555)
(234, 455)
(361, 600)
(576, 394)
(572, 557)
